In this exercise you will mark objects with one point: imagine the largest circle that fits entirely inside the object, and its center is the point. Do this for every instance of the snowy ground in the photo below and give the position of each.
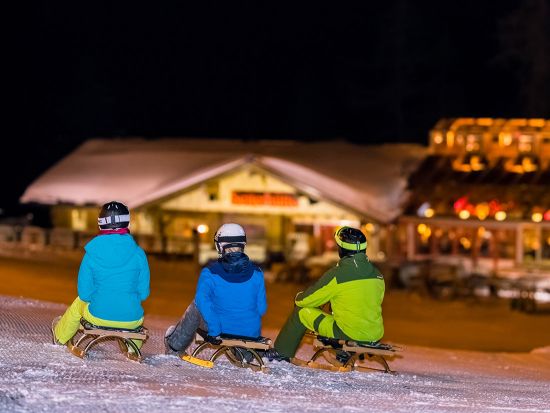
(37, 376)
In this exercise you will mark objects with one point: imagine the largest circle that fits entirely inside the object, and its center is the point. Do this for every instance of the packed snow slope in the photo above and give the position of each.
(36, 376)
(409, 318)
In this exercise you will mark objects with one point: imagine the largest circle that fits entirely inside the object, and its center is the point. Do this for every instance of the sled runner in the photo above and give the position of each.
(344, 355)
(89, 335)
(241, 351)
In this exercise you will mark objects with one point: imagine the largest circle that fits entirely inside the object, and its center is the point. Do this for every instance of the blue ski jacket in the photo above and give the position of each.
(231, 296)
(114, 278)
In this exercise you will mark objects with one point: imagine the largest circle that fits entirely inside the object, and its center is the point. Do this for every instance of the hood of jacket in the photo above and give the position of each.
(234, 267)
(111, 251)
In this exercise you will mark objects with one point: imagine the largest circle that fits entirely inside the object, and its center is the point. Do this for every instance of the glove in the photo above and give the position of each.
(213, 340)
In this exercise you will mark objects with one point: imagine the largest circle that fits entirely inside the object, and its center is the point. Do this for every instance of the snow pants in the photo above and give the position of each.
(301, 320)
(70, 322)
(185, 330)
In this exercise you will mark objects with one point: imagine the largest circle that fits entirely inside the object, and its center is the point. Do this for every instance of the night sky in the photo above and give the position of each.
(367, 72)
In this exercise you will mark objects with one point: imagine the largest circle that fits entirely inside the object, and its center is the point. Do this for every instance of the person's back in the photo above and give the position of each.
(230, 296)
(233, 289)
(355, 289)
(113, 277)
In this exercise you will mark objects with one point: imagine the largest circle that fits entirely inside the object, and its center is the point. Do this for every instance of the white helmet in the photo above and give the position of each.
(229, 235)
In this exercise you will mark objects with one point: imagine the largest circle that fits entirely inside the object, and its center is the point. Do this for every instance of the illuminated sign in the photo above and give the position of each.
(264, 198)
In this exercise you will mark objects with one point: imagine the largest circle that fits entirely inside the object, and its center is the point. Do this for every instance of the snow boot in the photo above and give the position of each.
(241, 354)
(55, 321)
(273, 354)
(167, 349)
(342, 356)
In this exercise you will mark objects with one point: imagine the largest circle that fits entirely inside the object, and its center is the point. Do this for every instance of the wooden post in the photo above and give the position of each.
(196, 251)
(493, 247)
(475, 248)
(410, 241)
(538, 252)
(519, 244)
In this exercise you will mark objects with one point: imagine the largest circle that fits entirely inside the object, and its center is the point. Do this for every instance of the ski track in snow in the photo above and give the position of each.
(36, 376)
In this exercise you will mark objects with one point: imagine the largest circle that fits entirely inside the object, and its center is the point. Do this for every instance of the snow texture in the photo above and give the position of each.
(36, 376)
(368, 179)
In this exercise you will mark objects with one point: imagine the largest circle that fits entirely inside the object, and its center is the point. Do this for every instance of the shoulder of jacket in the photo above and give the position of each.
(205, 272)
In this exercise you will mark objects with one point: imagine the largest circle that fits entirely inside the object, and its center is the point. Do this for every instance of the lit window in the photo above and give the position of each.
(525, 143)
(473, 143)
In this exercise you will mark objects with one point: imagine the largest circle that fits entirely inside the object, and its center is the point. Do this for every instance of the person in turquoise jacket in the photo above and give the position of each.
(113, 279)
(230, 297)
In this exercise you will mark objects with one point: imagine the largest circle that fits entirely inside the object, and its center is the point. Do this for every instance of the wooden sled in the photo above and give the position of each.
(89, 335)
(344, 355)
(241, 351)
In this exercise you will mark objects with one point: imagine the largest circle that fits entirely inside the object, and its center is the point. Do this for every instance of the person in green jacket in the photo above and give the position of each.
(355, 289)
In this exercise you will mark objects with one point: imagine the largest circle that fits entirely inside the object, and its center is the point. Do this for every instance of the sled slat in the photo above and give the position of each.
(114, 333)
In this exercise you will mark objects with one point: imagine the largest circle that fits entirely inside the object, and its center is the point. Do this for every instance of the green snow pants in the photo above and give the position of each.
(301, 320)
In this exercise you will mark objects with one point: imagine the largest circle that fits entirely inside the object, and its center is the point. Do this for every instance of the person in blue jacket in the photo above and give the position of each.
(230, 296)
(113, 279)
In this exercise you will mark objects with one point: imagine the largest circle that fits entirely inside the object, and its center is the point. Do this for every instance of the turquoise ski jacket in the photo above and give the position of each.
(114, 277)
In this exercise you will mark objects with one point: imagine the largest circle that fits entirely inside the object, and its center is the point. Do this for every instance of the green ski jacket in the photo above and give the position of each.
(355, 289)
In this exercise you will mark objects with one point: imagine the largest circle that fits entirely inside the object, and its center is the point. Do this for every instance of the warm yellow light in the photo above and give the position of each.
(505, 138)
(476, 164)
(438, 138)
(536, 217)
(500, 215)
(421, 228)
(450, 138)
(466, 243)
(528, 165)
(464, 214)
(537, 123)
(202, 229)
(482, 210)
(484, 121)
(369, 227)
(428, 213)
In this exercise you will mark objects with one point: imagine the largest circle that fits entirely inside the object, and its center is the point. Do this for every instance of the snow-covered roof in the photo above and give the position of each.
(370, 180)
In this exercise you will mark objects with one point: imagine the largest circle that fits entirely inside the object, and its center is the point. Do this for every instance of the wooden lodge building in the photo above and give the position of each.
(289, 196)
(479, 195)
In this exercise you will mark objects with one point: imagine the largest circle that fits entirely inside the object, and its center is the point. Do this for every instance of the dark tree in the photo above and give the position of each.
(525, 51)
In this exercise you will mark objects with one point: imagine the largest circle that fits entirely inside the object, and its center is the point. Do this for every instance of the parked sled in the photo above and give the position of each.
(241, 351)
(345, 355)
(90, 334)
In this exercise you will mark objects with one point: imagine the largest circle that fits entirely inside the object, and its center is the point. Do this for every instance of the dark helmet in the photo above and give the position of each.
(113, 215)
(350, 241)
